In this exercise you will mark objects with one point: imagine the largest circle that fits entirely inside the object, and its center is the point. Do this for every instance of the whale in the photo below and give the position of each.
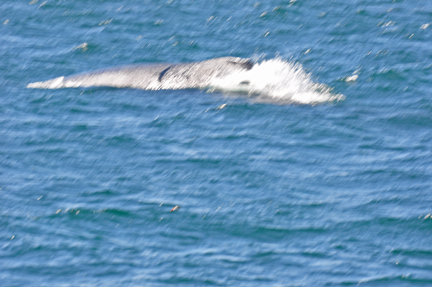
(195, 75)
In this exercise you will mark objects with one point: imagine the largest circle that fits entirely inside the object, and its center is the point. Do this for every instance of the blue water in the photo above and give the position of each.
(336, 193)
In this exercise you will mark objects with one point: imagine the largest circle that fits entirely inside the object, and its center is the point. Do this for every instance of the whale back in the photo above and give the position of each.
(153, 77)
(199, 75)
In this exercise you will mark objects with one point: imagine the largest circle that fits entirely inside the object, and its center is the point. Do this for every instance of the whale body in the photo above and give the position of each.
(198, 75)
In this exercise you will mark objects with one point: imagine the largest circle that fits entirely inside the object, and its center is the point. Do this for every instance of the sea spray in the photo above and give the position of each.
(277, 80)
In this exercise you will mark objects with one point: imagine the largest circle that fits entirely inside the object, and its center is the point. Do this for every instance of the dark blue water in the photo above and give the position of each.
(330, 194)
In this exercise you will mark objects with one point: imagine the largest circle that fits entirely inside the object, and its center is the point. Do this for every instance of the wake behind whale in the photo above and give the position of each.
(271, 80)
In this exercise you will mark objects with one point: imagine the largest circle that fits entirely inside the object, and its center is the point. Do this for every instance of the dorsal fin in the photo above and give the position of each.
(163, 73)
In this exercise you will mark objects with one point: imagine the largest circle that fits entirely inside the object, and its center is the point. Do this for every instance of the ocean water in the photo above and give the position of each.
(320, 176)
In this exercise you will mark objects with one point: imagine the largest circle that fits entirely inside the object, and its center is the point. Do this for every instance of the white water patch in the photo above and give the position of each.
(278, 81)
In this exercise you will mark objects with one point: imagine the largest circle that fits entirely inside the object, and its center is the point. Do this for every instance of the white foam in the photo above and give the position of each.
(352, 78)
(279, 81)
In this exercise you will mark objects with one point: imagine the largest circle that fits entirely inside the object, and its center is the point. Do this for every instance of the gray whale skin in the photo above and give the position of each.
(196, 75)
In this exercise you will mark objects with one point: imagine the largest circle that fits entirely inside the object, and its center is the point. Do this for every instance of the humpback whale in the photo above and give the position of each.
(197, 75)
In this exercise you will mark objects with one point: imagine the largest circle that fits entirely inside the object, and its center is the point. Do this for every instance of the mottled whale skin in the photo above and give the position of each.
(196, 75)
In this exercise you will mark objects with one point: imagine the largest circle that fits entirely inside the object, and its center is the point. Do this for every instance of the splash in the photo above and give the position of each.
(277, 80)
